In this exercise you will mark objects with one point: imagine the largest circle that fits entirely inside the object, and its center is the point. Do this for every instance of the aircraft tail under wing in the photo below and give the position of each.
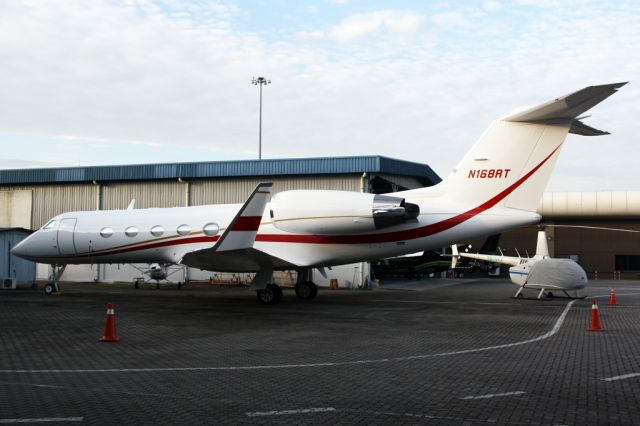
(510, 165)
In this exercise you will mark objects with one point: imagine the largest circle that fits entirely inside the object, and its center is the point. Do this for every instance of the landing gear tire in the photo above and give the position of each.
(306, 290)
(49, 288)
(270, 295)
(550, 295)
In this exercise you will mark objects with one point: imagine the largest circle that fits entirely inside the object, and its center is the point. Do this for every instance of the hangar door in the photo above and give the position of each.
(66, 244)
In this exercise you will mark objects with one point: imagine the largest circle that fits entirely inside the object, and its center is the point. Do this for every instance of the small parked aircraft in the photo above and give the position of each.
(540, 272)
(496, 187)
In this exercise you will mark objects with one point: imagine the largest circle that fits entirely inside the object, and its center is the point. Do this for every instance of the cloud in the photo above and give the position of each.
(367, 24)
(12, 163)
(491, 6)
(174, 77)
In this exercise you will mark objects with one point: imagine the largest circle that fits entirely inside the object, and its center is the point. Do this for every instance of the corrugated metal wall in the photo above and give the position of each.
(221, 191)
(51, 200)
(146, 194)
(16, 208)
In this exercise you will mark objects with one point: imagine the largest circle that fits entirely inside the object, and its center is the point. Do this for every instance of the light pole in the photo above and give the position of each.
(260, 81)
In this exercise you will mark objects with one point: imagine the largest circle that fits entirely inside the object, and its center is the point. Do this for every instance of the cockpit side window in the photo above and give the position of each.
(49, 225)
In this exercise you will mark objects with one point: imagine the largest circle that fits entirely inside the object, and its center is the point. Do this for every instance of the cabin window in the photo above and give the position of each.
(184, 230)
(106, 232)
(131, 231)
(211, 229)
(49, 224)
(157, 230)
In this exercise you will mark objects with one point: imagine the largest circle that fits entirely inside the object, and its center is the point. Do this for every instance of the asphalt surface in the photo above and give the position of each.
(451, 352)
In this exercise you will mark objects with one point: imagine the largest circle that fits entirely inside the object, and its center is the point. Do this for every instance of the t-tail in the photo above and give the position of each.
(510, 165)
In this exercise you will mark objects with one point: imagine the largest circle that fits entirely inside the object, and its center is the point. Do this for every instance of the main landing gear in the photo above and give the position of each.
(305, 288)
(53, 284)
(271, 294)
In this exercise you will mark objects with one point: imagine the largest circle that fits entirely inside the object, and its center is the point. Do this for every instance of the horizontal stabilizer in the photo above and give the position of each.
(579, 128)
(567, 108)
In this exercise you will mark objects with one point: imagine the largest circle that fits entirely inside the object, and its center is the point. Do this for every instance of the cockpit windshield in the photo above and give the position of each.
(49, 224)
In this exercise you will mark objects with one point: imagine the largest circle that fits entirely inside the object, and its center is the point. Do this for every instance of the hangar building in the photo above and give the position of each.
(30, 197)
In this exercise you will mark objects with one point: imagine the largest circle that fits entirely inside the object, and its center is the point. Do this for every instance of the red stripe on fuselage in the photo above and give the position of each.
(193, 240)
(408, 234)
(247, 223)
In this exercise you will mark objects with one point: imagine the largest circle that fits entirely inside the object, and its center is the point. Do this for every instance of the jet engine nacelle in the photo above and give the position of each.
(338, 212)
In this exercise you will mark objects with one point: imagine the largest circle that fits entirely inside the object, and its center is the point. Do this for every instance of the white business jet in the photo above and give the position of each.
(540, 272)
(495, 187)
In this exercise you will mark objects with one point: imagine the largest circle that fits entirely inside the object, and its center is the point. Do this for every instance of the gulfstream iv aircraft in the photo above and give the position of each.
(495, 187)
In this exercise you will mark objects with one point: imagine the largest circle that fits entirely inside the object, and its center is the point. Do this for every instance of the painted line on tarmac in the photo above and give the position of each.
(623, 377)
(42, 420)
(290, 412)
(427, 302)
(553, 331)
(493, 395)
(37, 385)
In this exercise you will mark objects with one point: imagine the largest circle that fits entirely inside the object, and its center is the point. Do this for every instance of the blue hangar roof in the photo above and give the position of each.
(214, 169)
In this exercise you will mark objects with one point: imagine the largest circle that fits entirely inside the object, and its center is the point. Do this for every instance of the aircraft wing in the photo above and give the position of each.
(234, 251)
(567, 109)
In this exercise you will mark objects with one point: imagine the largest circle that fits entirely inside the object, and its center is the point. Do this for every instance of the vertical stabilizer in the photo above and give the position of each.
(510, 165)
(542, 247)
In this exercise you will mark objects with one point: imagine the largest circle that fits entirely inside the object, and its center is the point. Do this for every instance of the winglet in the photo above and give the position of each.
(241, 232)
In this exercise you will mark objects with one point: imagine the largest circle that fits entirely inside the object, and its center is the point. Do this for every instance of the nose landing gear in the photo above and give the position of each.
(53, 284)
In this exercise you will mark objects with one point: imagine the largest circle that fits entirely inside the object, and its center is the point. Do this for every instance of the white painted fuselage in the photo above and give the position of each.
(77, 237)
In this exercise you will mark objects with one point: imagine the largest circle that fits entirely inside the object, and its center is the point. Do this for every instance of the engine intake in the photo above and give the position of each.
(338, 212)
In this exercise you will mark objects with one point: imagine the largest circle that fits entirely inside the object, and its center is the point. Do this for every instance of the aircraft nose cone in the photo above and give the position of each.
(20, 250)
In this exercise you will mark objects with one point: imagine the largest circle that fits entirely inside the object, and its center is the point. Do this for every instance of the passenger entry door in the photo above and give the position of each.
(66, 244)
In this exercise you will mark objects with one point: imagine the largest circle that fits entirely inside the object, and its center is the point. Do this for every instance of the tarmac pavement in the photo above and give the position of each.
(445, 352)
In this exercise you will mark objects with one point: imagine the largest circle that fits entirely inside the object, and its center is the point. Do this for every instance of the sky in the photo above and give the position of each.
(127, 82)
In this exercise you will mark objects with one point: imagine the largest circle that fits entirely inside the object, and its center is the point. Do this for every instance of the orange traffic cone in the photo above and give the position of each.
(612, 297)
(109, 334)
(595, 317)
